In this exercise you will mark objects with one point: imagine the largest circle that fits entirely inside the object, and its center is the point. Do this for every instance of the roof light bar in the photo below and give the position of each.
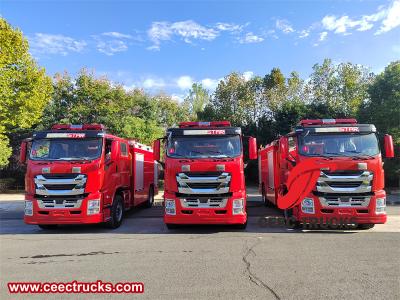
(327, 121)
(205, 124)
(78, 127)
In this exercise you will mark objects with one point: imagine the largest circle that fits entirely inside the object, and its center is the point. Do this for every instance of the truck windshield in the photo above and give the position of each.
(204, 146)
(338, 144)
(66, 149)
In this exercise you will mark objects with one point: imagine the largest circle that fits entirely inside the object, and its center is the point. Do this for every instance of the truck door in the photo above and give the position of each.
(111, 175)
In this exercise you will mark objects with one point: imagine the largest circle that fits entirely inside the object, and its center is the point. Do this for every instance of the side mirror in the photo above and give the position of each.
(388, 144)
(156, 150)
(114, 150)
(252, 148)
(22, 154)
(284, 148)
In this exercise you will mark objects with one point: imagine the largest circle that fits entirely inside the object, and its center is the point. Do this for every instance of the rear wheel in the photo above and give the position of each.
(48, 226)
(117, 212)
(150, 198)
(264, 198)
(365, 226)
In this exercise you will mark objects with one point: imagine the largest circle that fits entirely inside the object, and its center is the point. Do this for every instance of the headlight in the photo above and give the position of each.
(237, 206)
(28, 208)
(93, 207)
(307, 206)
(380, 206)
(170, 208)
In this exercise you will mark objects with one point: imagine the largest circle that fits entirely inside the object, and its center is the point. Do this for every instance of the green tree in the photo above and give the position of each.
(197, 100)
(383, 110)
(24, 87)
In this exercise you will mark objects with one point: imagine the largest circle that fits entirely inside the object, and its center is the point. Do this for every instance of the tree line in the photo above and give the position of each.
(264, 106)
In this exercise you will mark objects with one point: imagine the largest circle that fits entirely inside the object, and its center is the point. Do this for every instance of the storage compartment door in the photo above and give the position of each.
(139, 171)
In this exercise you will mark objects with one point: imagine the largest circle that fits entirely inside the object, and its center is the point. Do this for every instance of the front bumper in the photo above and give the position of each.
(54, 216)
(342, 215)
(197, 215)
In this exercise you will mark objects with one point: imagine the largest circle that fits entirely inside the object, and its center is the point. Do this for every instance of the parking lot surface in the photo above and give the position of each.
(199, 262)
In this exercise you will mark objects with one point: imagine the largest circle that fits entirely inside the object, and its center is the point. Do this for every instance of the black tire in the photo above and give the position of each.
(290, 221)
(48, 226)
(171, 226)
(264, 198)
(150, 198)
(117, 212)
(365, 226)
(241, 226)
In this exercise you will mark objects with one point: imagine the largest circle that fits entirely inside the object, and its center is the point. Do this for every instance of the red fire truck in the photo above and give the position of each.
(351, 189)
(80, 174)
(204, 178)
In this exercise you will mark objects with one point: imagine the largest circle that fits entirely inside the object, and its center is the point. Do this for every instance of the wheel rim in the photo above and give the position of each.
(119, 212)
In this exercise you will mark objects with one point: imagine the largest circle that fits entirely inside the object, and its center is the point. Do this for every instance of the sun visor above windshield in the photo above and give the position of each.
(67, 135)
(203, 131)
(367, 128)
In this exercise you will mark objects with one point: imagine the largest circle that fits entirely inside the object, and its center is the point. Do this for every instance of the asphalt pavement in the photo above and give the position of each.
(205, 262)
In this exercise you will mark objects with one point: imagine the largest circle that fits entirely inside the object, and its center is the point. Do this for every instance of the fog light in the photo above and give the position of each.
(28, 208)
(237, 206)
(307, 206)
(380, 206)
(170, 208)
(93, 207)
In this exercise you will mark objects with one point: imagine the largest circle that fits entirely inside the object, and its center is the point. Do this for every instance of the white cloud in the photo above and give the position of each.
(284, 26)
(153, 83)
(209, 83)
(231, 27)
(304, 33)
(322, 36)
(111, 47)
(117, 35)
(248, 75)
(250, 38)
(178, 97)
(184, 82)
(42, 43)
(389, 17)
(187, 30)
(392, 18)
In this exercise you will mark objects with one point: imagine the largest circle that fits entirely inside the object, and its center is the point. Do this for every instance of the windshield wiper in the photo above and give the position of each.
(361, 156)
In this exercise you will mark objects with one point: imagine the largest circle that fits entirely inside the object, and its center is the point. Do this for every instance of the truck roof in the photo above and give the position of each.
(204, 131)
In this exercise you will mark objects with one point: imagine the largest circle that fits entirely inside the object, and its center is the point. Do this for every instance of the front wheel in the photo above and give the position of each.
(365, 226)
(117, 212)
(171, 226)
(241, 226)
(48, 226)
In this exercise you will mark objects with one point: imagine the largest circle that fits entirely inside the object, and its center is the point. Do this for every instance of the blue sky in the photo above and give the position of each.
(167, 45)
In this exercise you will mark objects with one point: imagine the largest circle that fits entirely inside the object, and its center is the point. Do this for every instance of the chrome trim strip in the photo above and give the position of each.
(323, 183)
(41, 181)
(65, 204)
(183, 180)
(211, 203)
(359, 201)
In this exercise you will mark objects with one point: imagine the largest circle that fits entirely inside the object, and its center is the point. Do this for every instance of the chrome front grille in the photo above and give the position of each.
(345, 182)
(60, 184)
(204, 202)
(347, 200)
(60, 203)
(203, 183)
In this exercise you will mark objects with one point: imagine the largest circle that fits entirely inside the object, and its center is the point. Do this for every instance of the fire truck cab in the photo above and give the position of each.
(354, 190)
(204, 174)
(79, 174)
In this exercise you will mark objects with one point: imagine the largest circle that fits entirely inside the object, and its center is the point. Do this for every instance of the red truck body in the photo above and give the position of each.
(353, 192)
(80, 174)
(203, 173)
